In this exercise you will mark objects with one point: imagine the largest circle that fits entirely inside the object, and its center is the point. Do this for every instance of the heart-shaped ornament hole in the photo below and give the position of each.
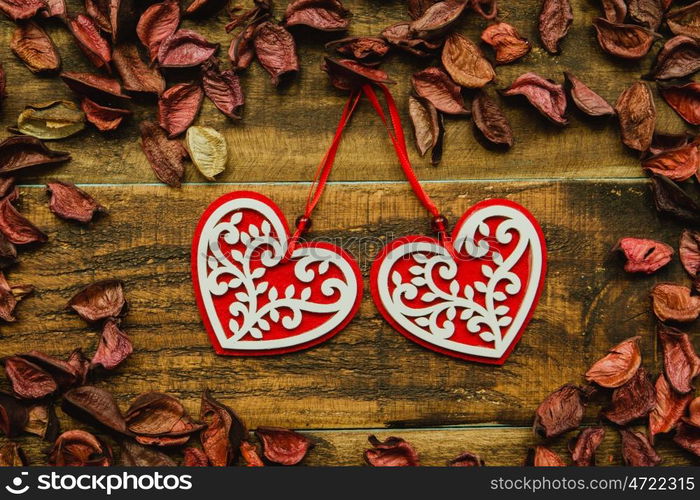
(475, 302)
(254, 301)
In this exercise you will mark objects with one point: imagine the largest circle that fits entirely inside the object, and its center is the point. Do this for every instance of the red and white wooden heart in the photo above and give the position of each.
(252, 299)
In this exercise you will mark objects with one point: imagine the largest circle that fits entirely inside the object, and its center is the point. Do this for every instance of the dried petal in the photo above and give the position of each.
(669, 198)
(51, 120)
(178, 107)
(637, 114)
(136, 455)
(14, 415)
(224, 433)
(166, 156)
(346, 74)
(242, 49)
(18, 10)
(99, 300)
(104, 118)
(615, 10)
(681, 363)
(90, 41)
(487, 9)
(664, 141)
(584, 448)
(694, 411)
(675, 303)
(159, 415)
(400, 36)
(677, 164)
(689, 251)
(465, 63)
(545, 95)
(426, 124)
(685, 21)
(541, 456)
(670, 407)
(466, 459)
(35, 48)
(679, 57)
(644, 256)
(98, 10)
(438, 18)
(17, 228)
(554, 23)
(276, 51)
(43, 422)
(10, 296)
(633, 400)
(637, 451)
(250, 455)
(55, 8)
(365, 49)
(684, 99)
(185, 49)
(114, 347)
(79, 363)
(78, 448)
(96, 87)
(325, 15)
(627, 41)
(224, 89)
(201, 8)
(19, 152)
(136, 75)
(157, 23)
(392, 452)
(283, 446)
(618, 366)
(194, 457)
(416, 8)
(688, 437)
(28, 380)
(506, 42)
(491, 121)
(648, 13)
(586, 100)
(560, 412)
(94, 405)
(437, 87)
(65, 374)
(11, 455)
(207, 149)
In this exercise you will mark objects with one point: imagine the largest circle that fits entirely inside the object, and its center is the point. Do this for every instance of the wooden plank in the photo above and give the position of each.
(496, 446)
(286, 130)
(368, 375)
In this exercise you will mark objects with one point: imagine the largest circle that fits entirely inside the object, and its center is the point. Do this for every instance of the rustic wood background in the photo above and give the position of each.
(579, 181)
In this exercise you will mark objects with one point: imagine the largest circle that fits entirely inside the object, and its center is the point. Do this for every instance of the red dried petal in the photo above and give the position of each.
(163, 440)
(166, 156)
(97, 87)
(670, 407)
(160, 416)
(65, 374)
(618, 366)
(99, 300)
(178, 107)
(283, 446)
(325, 15)
(98, 10)
(104, 118)
(400, 35)
(541, 456)
(392, 452)
(545, 95)
(17, 228)
(89, 39)
(438, 18)
(681, 363)
(677, 164)
(689, 251)
(242, 48)
(157, 23)
(364, 49)
(224, 89)
(637, 115)
(437, 87)
(194, 457)
(29, 381)
(136, 75)
(185, 49)
(225, 431)
(491, 121)
(56, 8)
(627, 41)
(684, 99)
(71, 203)
(586, 100)
(78, 448)
(644, 256)
(694, 412)
(584, 447)
(346, 74)
(95, 406)
(679, 57)
(19, 152)
(35, 48)
(555, 20)
(122, 18)
(18, 10)
(615, 10)
(637, 451)
(276, 51)
(250, 455)
(114, 347)
(466, 459)
(633, 400)
(560, 412)
(672, 302)
(688, 437)
(506, 42)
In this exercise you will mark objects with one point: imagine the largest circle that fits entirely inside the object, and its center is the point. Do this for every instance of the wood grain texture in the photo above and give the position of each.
(286, 130)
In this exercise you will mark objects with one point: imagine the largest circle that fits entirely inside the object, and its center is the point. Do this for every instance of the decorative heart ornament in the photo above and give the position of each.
(253, 300)
(474, 303)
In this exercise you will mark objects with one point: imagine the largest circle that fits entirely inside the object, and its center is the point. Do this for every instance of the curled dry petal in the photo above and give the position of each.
(400, 36)
(689, 251)
(465, 63)
(438, 18)
(207, 149)
(11, 455)
(615, 10)
(114, 347)
(506, 42)
(136, 455)
(28, 380)
(14, 415)
(685, 21)
(157, 23)
(545, 95)
(225, 431)
(637, 114)
(346, 74)
(276, 51)
(99, 300)
(283, 446)
(426, 123)
(166, 156)
(65, 374)
(78, 448)
(325, 15)
(618, 366)
(681, 363)
(644, 256)
(200, 8)
(670, 199)
(43, 422)
(51, 120)
(637, 451)
(104, 118)
(684, 99)
(224, 89)
(627, 41)
(242, 48)
(19, 152)
(633, 400)
(94, 405)
(364, 49)
(18, 10)
(679, 57)
(35, 48)
(688, 437)
(90, 41)
(185, 49)
(541, 456)
(437, 87)
(677, 164)
(18, 229)
(156, 414)
(392, 452)
(97, 87)
(178, 107)
(560, 412)
(648, 13)
(586, 444)
(491, 121)
(586, 100)
(194, 457)
(466, 459)
(250, 455)
(555, 20)
(136, 75)
(670, 407)
(672, 302)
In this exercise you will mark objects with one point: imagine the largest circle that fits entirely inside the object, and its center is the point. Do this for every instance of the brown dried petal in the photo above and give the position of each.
(554, 23)
(618, 366)
(100, 300)
(136, 455)
(79, 448)
(506, 42)
(225, 431)
(90, 40)
(114, 347)
(17, 228)
(637, 114)
(426, 124)
(364, 49)
(438, 18)
(185, 49)
(684, 99)
(62, 372)
(97, 87)
(465, 63)
(276, 50)
(72, 203)
(675, 303)
(627, 41)
(633, 400)
(104, 118)
(242, 49)
(648, 13)
(644, 256)
(35, 48)
(11, 455)
(166, 156)
(491, 121)
(545, 95)
(325, 15)
(637, 451)
(157, 23)
(689, 251)
(94, 405)
(466, 459)
(283, 446)
(392, 452)
(681, 363)
(541, 456)
(136, 75)
(670, 199)
(18, 10)
(586, 100)
(346, 74)
(194, 457)
(437, 87)
(400, 36)
(156, 414)
(685, 21)
(615, 10)
(14, 415)
(250, 455)
(584, 447)
(43, 422)
(28, 380)
(21, 152)
(224, 89)
(560, 412)
(178, 107)
(679, 57)
(670, 407)
(688, 437)
(51, 120)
